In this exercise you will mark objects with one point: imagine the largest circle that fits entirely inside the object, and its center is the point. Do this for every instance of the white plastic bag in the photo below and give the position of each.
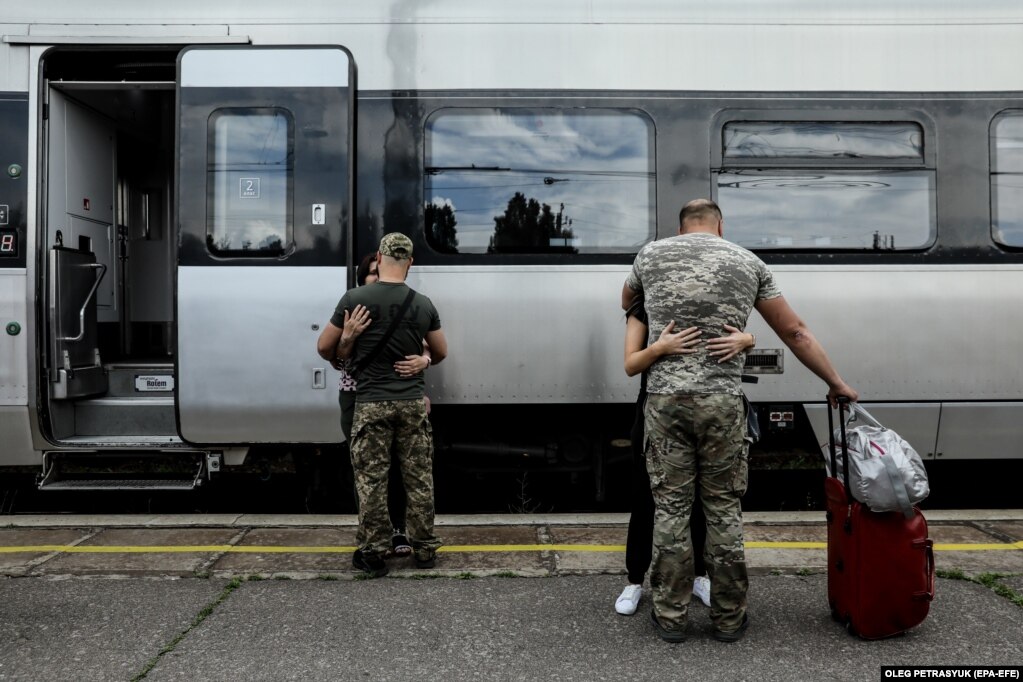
(885, 472)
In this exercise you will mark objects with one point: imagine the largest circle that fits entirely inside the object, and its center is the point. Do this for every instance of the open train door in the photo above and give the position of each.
(264, 199)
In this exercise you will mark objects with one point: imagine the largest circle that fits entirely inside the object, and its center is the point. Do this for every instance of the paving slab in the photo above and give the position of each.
(283, 520)
(143, 563)
(288, 563)
(761, 561)
(786, 533)
(973, 561)
(945, 533)
(18, 563)
(562, 629)
(257, 520)
(766, 560)
(1012, 529)
(980, 562)
(93, 629)
(484, 562)
(964, 515)
(297, 531)
(568, 562)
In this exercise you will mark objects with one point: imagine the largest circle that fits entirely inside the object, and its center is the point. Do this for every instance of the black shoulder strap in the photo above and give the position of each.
(371, 356)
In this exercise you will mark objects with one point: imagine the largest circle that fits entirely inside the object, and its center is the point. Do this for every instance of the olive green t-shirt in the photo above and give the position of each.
(378, 380)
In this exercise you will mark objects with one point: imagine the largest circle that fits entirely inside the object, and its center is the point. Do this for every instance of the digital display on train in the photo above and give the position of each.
(8, 243)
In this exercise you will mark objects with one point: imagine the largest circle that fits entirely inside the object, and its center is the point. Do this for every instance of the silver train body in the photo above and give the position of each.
(868, 153)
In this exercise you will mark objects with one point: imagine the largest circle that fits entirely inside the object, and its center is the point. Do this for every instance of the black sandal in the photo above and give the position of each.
(399, 543)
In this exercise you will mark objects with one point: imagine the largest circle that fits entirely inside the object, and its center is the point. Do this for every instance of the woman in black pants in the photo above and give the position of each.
(639, 544)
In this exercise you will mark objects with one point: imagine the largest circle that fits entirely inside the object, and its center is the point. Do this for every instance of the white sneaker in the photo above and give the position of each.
(628, 600)
(701, 588)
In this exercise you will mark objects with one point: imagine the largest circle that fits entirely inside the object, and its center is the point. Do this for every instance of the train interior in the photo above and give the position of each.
(108, 273)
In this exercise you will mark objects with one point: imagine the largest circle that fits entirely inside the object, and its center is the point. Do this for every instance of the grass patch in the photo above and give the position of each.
(992, 581)
(196, 622)
(506, 574)
(466, 576)
(282, 577)
(327, 577)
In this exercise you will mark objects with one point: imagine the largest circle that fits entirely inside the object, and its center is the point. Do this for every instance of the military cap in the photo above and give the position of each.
(396, 245)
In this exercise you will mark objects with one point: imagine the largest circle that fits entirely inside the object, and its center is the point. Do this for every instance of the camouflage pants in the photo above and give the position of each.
(376, 428)
(690, 439)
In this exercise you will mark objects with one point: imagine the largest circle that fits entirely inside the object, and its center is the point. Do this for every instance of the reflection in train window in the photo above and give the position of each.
(827, 186)
(1007, 179)
(249, 179)
(828, 140)
(534, 181)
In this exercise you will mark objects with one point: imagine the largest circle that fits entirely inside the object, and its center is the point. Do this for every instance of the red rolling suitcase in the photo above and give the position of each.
(880, 564)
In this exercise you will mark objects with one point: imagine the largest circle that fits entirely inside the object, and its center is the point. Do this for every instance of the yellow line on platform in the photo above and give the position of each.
(335, 549)
(532, 548)
(176, 549)
(948, 547)
(786, 545)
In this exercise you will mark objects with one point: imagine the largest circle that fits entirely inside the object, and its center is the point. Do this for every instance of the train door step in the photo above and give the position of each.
(177, 470)
(122, 416)
(138, 406)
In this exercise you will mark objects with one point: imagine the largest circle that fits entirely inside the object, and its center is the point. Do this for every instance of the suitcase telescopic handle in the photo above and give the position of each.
(831, 438)
(843, 405)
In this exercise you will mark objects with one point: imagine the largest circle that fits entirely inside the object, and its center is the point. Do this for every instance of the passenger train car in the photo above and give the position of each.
(187, 187)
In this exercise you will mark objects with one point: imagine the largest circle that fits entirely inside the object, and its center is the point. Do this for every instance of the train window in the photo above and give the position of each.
(826, 186)
(1007, 179)
(816, 140)
(249, 182)
(539, 181)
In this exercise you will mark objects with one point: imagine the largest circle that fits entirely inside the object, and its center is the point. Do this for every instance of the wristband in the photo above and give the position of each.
(429, 360)
(754, 344)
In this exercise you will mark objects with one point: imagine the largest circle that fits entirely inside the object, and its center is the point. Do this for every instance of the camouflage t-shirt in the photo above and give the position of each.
(698, 280)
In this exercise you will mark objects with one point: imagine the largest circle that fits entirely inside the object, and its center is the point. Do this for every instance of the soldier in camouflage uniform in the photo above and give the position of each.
(695, 422)
(389, 407)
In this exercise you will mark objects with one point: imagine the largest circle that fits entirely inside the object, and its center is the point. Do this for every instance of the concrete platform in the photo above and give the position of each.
(216, 598)
(526, 545)
(480, 629)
